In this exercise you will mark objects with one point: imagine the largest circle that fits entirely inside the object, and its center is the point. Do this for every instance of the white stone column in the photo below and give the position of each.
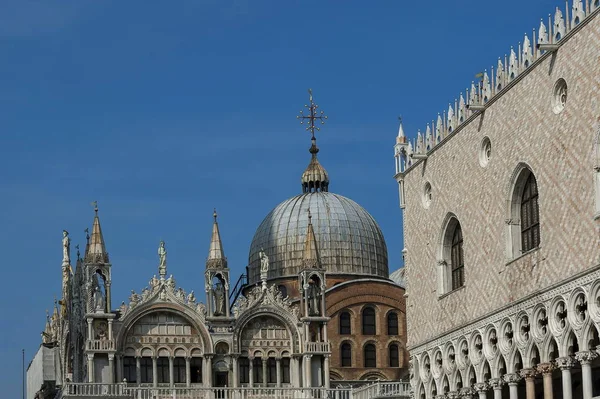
(496, 384)
(529, 375)
(481, 389)
(154, 371)
(90, 332)
(546, 370)
(236, 370)
(264, 371)
(138, 370)
(111, 368)
(585, 358)
(110, 329)
(278, 365)
(207, 374)
(251, 371)
(308, 368)
(513, 384)
(120, 368)
(188, 373)
(90, 367)
(326, 370)
(566, 364)
(171, 372)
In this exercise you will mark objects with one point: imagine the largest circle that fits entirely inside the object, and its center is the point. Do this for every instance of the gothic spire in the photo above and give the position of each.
(96, 250)
(311, 258)
(216, 257)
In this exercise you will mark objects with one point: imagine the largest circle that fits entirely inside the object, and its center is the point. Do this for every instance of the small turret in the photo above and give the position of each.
(96, 249)
(311, 252)
(217, 276)
(400, 149)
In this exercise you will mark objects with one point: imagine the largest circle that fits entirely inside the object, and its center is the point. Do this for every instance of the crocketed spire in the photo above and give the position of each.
(311, 253)
(216, 257)
(315, 177)
(96, 249)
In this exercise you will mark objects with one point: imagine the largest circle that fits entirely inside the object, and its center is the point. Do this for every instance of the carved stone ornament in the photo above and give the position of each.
(585, 357)
(269, 296)
(546, 368)
(528, 373)
(466, 392)
(162, 290)
(496, 383)
(512, 379)
(565, 363)
(481, 387)
(453, 395)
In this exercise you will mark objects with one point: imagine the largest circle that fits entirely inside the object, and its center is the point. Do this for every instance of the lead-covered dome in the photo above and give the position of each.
(349, 240)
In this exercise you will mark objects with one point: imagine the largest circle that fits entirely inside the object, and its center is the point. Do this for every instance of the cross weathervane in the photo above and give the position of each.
(312, 116)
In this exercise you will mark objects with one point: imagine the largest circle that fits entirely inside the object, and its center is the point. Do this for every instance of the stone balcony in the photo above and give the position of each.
(100, 345)
(318, 347)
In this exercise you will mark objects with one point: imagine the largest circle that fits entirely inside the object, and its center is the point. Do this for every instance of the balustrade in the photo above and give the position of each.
(97, 345)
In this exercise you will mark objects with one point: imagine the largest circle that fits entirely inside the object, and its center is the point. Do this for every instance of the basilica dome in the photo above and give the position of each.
(349, 241)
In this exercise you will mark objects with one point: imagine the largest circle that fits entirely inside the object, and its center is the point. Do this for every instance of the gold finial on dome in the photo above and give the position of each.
(315, 177)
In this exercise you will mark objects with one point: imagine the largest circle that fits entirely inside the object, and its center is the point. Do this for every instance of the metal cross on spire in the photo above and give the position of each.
(312, 116)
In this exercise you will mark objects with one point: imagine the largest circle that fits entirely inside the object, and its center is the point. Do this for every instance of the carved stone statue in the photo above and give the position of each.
(66, 243)
(264, 264)
(314, 299)
(98, 300)
(219, 300)
(191, 298)
(162, 256)
(154, 282)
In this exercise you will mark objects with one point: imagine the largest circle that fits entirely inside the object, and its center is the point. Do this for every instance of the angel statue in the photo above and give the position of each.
(66, 243)
(264, 262)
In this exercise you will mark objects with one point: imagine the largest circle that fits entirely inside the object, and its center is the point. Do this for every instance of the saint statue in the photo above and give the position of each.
(191, 298)
(264, 261)
(162, 256)
(98, 300)
(66, 242)
(313, 299)
(219, 300)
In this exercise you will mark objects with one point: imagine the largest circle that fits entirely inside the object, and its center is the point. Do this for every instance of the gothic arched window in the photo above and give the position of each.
(346, 354)
(452, 262)
(394, 354)
(370, 356)
(458, 261)
(530, 216)
(368, 321)
(392, 323)
(345, 323)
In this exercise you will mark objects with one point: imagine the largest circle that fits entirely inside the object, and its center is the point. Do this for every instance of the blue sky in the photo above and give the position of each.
(161, 111)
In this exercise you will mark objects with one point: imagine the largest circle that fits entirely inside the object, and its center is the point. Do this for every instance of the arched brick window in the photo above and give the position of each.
(394, 355)
(346, 354)
(392, 323)
(368, 321)
(345, 328)
(370, 356)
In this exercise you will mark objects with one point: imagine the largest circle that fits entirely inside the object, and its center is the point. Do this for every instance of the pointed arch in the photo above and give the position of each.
(451, 274)
(500, 367)
(570, 344)
(522, 212)
(445, 388)
(471, 376)
(457, 381)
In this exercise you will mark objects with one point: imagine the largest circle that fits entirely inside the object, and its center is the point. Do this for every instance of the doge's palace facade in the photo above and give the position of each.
(501, 219)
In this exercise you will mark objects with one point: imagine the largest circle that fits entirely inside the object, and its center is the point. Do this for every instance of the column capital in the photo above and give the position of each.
(440, 397)
(453, 395)
(512, 379)
(528, 374)
(496, 383)
(585, 357)
(546, 368)
(481, 387)
(111, 356)
(565, 363)
(90, 356)
(466, 392)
